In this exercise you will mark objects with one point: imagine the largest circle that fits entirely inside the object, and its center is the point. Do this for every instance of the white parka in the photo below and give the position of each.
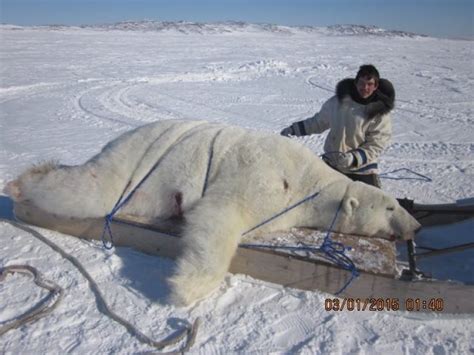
(352, 129)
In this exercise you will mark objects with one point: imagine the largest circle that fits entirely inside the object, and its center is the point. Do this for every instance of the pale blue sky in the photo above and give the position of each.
(444, 18)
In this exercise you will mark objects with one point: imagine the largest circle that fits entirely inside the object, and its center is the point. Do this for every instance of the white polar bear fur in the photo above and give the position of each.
(252, 177)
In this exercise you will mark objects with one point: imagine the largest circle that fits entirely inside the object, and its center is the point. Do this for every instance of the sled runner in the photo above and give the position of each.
(439, 214)
(376, 287)
(434, 215)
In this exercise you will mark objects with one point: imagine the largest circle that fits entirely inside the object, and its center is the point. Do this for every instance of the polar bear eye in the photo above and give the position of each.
(390, 208)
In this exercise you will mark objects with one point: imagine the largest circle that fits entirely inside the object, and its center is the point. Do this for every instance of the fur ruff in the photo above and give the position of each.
(381, 102)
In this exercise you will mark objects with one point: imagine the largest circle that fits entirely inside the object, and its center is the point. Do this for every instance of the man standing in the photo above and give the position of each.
(359, 125)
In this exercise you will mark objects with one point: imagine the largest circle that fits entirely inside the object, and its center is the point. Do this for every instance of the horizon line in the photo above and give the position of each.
(98, 23)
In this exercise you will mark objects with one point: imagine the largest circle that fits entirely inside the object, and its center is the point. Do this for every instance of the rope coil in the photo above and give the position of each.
(188, 332)
(42, 308)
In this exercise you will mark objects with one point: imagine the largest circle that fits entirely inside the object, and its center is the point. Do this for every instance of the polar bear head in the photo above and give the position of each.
(21, 189)
(367, 210)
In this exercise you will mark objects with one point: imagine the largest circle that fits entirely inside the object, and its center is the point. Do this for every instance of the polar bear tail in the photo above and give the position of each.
(210, 240)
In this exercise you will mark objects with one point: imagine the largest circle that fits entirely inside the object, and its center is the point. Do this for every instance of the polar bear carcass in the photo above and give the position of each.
(222, 180)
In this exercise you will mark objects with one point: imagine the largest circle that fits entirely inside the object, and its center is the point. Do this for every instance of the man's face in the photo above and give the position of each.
(366, 86)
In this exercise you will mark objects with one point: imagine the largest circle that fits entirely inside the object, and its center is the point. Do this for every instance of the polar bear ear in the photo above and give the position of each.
(349, 205)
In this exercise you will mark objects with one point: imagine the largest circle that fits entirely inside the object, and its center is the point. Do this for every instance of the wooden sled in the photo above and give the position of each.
(375, 289)
(435, 215)
(439, 214)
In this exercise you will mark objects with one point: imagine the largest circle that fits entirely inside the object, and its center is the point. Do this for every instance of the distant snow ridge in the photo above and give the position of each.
(191, 27)
(238, 26)
(358, 30)
(229, 27)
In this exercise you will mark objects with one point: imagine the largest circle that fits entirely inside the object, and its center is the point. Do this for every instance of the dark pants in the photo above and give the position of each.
(370, 179)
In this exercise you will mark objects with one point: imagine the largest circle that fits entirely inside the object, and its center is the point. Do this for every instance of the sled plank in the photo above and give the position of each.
(157, 239)
(127, 234)
(435, 215)
(292, 272)
(272, 266)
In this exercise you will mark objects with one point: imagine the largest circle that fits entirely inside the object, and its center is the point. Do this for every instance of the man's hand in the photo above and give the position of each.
(344, 160)
(288, 131)
(338, 160)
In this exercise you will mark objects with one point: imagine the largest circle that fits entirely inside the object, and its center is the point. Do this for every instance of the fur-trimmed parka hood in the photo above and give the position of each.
(381, 102)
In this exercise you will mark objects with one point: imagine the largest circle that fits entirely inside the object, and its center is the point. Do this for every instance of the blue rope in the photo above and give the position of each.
(281, 213)
(420, 176)
(107, 244)
(120, 203)
(336, 252)
(108, 221)
(333, 251)
(209, 161)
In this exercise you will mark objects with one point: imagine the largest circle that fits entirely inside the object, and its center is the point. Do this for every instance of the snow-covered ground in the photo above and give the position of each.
(65, 92)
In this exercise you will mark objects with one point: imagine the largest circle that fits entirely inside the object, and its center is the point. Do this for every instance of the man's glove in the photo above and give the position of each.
(344, 160)
(288, 131)
(338, 160)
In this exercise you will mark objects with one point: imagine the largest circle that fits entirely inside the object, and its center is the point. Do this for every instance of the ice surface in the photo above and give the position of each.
(64, 92)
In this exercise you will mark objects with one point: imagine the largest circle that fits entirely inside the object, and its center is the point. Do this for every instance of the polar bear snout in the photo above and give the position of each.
(12, 189)
(405, 226)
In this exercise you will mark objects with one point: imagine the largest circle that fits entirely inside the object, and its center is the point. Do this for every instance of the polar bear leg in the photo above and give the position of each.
(210, 240)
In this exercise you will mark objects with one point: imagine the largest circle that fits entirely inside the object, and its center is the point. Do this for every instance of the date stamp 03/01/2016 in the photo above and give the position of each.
(384, 304)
